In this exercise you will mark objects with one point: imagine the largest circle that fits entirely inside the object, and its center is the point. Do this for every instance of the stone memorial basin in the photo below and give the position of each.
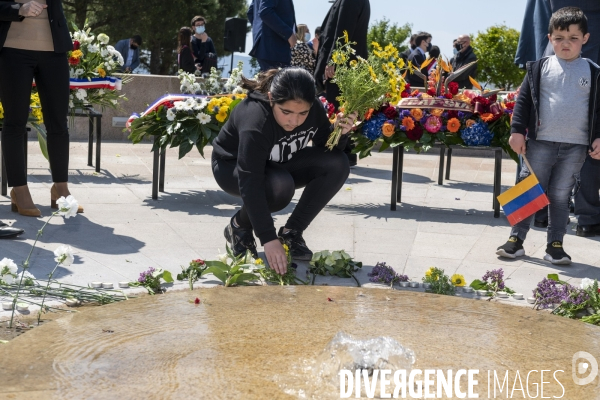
(248, 343)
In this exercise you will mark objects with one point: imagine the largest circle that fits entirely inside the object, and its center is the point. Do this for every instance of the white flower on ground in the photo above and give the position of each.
(203, 118)
(170, 114)
(68, 206)
(103, 38)
(224, 258)
(25, 277)
(8, 270)
(64, 255)
(81, 94)
(586, 283)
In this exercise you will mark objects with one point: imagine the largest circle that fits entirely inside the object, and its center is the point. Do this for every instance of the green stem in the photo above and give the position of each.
(358, 283)
(46, 292)
(26, 265)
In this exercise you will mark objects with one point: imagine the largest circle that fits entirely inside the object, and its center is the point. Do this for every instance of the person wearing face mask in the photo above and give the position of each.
(262, 155)
(464, 56)
(418, 56)
(406, 53)
(205, 54)
(129, 49)
(301, 54)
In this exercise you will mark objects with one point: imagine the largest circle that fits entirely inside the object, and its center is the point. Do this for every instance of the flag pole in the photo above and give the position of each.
(528, 165)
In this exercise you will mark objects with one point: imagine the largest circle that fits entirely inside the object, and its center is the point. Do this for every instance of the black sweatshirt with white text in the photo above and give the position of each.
(253, 137)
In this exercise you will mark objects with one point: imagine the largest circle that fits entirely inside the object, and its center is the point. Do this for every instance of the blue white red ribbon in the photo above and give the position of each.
(161, 101)
(110, 83)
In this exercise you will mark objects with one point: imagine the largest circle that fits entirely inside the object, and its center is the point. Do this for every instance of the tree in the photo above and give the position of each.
(495, 49)
(156, 21)
(385, 33)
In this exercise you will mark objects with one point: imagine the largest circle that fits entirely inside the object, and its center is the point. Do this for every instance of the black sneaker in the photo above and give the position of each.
(296, 243)
(556, 254)
(240, 240)
(511, 249)
(588, 230)
(540, 224)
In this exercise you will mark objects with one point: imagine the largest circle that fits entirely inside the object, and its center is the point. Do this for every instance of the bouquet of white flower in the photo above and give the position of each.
(92, 63)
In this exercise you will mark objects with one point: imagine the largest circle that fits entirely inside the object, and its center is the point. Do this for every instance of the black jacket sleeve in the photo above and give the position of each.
(523, 108)
(186, 60)
(253, 153)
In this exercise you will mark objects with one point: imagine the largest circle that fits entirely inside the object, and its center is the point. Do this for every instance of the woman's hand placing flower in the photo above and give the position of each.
(345, 122)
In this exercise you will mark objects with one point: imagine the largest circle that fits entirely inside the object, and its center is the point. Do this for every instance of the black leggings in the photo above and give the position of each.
(51, 71)
(320, 171)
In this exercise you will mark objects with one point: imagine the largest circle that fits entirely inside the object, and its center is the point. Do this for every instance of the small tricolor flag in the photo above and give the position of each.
(523, 199)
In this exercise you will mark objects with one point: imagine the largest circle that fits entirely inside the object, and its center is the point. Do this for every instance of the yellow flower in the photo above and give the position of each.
(353, 63)
(338, 57)
(214, 102)
(346, 38)
(400, 63)
(437, 112)
(429, 272)
(101, 72)
(373, 75)
(259, 261)
(221, 116)
(77, 54)
(458, 280)
(1, 111)
(376, 46)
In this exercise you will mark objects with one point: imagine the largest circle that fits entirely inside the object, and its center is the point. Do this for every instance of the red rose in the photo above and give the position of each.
(404, 95)
(415, 133)
(73, 60)
(169, 104)
(510, 105)
(493, 98)
(407, 87)
(453, 88)
(482, 100)
(76, 45)
(431, 92)
(448, 96)
(390, 112)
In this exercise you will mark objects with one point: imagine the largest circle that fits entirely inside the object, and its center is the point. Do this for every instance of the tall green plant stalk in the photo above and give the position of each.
(46, 291)
(25, 267)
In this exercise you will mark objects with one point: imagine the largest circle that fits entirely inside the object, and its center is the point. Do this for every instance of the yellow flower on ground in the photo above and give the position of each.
(77, 54)
(429, 272)
(101, 72)
(458, 280)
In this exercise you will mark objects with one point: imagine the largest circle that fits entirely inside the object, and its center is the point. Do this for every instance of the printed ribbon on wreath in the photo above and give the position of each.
(161, 101)
(110, 83)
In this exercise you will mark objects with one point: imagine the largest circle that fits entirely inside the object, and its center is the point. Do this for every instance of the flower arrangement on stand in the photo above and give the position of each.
(442, 114)
(92, 63)
(189, 119)
(365, 84)
(336, 263)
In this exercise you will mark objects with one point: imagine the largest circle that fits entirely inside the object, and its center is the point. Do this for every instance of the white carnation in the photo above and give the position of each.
(170, 114)
(81, 94)
(64, 255)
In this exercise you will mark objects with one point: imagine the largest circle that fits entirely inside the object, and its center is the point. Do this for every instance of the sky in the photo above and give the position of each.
(444, 19)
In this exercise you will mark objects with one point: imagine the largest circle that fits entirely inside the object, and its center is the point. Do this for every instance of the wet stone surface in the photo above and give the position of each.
(252, 343)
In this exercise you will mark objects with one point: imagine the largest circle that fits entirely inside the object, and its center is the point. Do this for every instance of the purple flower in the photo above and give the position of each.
(496, 278)
(405, 113)
(383, 273)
